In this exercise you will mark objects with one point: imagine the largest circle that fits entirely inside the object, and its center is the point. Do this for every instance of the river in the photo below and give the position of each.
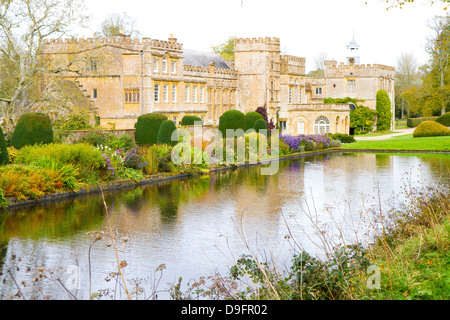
(197, 226)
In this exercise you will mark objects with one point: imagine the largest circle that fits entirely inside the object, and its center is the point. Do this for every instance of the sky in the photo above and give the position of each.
(306, 28)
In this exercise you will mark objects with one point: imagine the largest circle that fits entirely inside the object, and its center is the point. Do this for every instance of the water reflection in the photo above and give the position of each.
(199, 225)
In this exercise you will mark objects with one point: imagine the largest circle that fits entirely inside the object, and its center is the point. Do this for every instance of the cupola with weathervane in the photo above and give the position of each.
(353, 52)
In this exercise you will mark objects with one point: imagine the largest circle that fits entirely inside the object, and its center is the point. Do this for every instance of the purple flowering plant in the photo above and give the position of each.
(309, 142)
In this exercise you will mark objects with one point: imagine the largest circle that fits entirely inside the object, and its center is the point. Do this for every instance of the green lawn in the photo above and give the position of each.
(407, 142)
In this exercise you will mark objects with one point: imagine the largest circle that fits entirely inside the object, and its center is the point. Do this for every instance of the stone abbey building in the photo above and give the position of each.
(124, 78)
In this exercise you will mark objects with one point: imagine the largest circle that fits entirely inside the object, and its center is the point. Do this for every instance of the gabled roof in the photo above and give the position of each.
(204, 59)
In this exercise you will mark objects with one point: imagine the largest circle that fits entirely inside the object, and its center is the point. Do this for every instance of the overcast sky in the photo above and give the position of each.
(305, 27)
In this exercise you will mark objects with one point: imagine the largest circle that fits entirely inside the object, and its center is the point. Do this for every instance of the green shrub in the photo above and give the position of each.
(232, 119)
(444, 119)
(4, 157)
(32, 128)
(165, 133)
(344, 138)
(147, 128)
(99, 138)
(384, 111)
(362, 119)
(260, 126)
(414, 122)
(251, 118)
(190, 120)
(431, 129)
(84, 157)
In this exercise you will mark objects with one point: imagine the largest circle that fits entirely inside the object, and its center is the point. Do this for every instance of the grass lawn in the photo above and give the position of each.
(407, 142)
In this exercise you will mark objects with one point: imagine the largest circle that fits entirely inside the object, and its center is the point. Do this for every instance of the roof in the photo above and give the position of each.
(204, 59)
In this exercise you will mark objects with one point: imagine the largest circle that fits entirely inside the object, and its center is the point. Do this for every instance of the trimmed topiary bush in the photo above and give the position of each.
(4, 157)
(32, 128)
(384, 111)
(165, 133)
(232, 119)
(147, 128)
(431, 129)
(444, 119)
(260, 126)
(250, 119)
(190, 120)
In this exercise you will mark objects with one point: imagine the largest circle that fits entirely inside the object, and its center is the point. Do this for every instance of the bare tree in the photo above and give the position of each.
(24, 26)
(319, 63)
(118, 24)
(407, 77)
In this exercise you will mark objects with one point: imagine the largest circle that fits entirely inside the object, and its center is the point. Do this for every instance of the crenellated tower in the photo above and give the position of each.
(258, 63)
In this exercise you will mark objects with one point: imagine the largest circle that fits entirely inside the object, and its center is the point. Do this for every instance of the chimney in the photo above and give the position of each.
(172, 39)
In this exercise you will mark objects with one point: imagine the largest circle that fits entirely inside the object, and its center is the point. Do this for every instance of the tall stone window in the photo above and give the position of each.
(164, 65)
(156, 92)
(186, 94)
(290, 95)
(174, 93)
(155, 65)
(166, 93)
(351, 85)
(173, 67)
(194, 94)
(202, 94)
(322, 125)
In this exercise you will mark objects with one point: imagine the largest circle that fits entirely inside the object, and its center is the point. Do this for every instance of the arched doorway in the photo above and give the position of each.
(322, 125)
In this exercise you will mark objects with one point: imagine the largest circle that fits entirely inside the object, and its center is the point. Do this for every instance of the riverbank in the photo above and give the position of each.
(167, 177)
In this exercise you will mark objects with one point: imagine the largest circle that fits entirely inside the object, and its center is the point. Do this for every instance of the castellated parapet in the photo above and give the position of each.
(333, 70)
(257, 44)
(293, 65)
(52, 45)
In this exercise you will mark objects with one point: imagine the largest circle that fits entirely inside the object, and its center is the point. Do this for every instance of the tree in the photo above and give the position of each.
(439, 49)
(407, 77)
(401, 3)
(384, 111)
(225, 49)
(118, 24)
(319, 63)
(24, 24)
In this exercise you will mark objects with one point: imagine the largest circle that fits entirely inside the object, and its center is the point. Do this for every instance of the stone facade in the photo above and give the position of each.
(125, 78)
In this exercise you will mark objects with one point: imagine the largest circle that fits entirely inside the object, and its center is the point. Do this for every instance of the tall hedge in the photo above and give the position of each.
(4, 158)
(444, 119)
(260, 124)
(147, 128)
(232, 119)
(251, 118)
(414, 122)
(190, 120)
(384, 111)
(32, 128)
(165, 133)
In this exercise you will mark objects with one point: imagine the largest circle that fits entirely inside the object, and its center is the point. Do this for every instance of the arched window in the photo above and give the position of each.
(322, 125)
